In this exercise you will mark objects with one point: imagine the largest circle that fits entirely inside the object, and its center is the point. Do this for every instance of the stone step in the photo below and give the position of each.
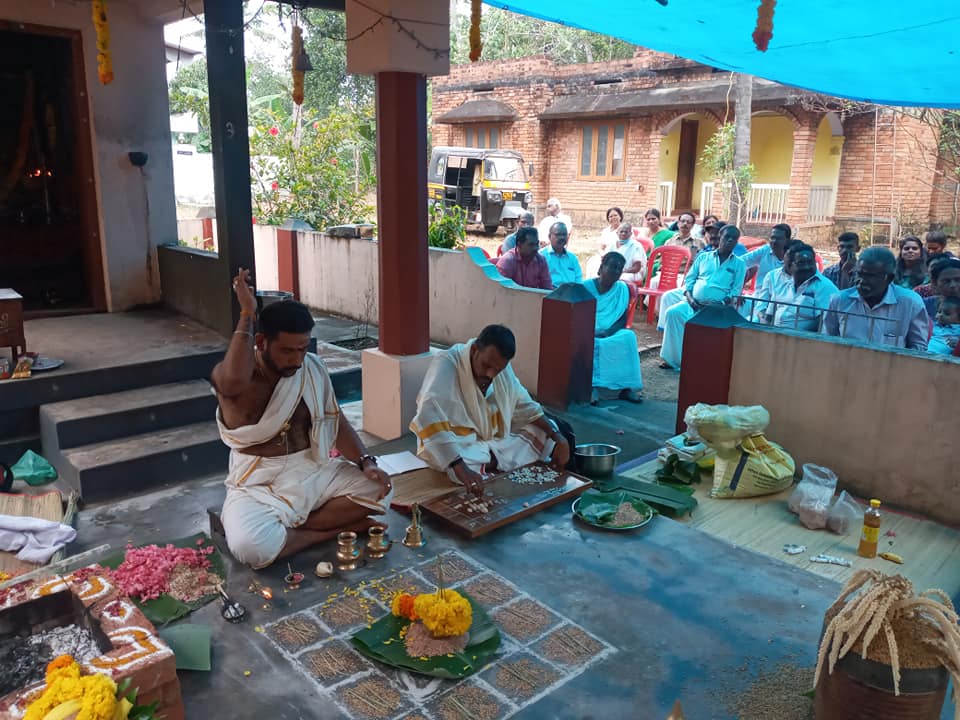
(100, 418)
(108, 470)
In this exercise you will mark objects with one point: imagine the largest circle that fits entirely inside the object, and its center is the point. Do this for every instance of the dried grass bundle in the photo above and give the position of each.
(883, 603)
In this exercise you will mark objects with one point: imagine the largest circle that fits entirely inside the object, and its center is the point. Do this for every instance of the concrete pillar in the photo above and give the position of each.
(566, 346)
(400, 42)
(707, 359)
(227, 85)
(801, 171)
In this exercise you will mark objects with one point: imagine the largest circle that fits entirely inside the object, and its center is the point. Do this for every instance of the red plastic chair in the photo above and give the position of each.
(485, 253)
(646, 242)
(674, 260)
(632, 305)
(750, 282)
(819, 261)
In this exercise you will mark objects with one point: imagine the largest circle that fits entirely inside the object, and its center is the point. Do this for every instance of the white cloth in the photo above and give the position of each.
(543, 229)
(899, 320)
(34, 540)
(764, 260)
(813, 297)
(616, 359)
(265, 496)
(455, 420)
(608, 240)
(674, 323)
(632, 252)
(667, 301)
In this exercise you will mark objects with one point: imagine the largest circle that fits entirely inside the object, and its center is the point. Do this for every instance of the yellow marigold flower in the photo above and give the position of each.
(444, 615)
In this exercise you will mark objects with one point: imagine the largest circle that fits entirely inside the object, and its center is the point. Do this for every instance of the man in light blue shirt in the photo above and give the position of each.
(564, 266)
(526, 219)
(882, 313)
(804, 293)
(770, 256)
(716, 278)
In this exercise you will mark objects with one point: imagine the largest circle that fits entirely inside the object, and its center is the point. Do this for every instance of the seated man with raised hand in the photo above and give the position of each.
(616, 357)
(474, 416)
(716, 278)
(280, 419)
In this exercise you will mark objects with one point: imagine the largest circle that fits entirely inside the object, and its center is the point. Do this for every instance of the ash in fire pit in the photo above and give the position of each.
(34, 633)
(23, 660)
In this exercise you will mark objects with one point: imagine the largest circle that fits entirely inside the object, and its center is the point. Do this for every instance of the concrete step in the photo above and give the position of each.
(131, 465)
(100, 418)
(12, 448)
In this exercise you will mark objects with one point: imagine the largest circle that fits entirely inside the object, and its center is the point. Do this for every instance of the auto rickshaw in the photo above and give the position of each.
(490, 185)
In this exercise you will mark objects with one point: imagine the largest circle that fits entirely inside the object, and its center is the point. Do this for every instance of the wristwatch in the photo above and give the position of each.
(364, 458)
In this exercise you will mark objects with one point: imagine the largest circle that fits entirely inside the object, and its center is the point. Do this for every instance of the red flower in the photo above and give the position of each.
(334, 161)
(274, 131)
(274, 186)
(316, 125)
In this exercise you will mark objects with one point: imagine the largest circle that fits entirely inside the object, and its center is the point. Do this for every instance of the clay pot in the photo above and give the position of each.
(860, 689)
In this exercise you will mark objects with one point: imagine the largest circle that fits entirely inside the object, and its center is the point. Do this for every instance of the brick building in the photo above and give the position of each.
(631, 132)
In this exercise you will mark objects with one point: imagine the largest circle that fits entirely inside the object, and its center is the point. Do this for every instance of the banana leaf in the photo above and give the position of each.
(599, 508)
(381, 641)
(678, 472)
(165, 609)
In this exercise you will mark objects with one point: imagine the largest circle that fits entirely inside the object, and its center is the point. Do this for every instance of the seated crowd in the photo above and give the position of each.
(869, 295)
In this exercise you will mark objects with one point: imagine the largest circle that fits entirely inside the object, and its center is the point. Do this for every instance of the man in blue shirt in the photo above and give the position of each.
(716, 278)
(526, 219)
(564, 266)
(770, 256)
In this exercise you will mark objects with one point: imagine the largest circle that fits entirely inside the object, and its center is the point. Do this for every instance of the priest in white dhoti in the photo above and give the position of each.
(475, 418)
(716, 278)
(279, 416)
(616, 357)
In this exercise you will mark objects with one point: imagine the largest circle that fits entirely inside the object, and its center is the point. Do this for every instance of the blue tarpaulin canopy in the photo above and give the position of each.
(891, 52)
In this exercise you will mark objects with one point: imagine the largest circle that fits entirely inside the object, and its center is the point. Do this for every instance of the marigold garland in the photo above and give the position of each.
(763, 32)
(476, 45)
(91, 697)
(445, 613)
(102, 27)
(402, 605)
(298, 75)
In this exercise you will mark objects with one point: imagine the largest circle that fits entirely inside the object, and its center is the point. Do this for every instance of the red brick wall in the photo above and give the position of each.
(906, 175)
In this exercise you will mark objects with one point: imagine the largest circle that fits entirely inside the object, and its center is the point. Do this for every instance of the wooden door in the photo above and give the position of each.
(686, 165)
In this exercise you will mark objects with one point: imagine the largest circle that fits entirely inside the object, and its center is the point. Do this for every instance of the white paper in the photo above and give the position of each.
(399, 463)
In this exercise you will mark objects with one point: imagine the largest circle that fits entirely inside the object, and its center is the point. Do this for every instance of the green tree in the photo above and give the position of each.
(329, 86)
(717, 159)
(507, 35)
(311, 169)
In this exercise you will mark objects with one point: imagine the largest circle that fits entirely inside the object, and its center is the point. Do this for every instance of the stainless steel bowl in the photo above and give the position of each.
(596, 459)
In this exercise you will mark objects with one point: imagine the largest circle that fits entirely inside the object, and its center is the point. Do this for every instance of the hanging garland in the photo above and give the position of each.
(102, 27)
(763, 32)
(476, 45)
(297, 42)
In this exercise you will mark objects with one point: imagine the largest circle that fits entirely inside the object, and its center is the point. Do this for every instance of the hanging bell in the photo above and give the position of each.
(302, 62)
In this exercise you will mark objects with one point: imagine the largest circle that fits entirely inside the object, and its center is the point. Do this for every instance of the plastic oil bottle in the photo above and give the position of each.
(870, 537)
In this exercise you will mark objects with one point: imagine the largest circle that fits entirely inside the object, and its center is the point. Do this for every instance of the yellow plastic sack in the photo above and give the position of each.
(755, 467)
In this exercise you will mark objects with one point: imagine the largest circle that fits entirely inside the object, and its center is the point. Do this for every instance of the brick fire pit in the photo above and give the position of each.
(136, 651)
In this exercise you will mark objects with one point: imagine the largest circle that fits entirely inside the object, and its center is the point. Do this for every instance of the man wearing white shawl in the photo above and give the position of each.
(616, 357)
(474, 416)
(279, 416)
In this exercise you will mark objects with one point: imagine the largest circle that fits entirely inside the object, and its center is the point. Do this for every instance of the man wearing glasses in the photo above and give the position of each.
(881, 313)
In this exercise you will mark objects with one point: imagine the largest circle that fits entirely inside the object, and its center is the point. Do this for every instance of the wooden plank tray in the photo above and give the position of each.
(504, 501)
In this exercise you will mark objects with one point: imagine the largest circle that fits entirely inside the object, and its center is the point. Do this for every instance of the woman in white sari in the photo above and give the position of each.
(616, 359)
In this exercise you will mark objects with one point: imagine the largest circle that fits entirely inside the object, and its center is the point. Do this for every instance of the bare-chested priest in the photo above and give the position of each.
(474, 416)
(280, 418)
